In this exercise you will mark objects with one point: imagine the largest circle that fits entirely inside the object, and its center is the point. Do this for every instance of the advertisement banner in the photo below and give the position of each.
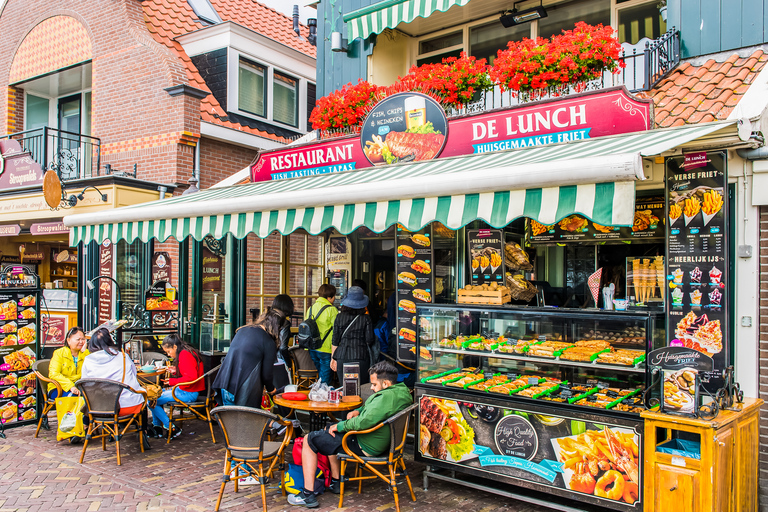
(17, 168)
(597, 462)
(105, 285)
(55, 328)
(486, 256)
(581, 116)
(415, 285)
(698, 295)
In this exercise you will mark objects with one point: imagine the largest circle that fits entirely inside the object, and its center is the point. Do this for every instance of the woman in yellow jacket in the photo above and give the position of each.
(67, 364)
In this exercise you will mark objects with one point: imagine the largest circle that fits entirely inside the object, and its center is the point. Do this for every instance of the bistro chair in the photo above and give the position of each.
(102, 400)
(201, 408)
(249, 452)
(398, 431)
(41, 369)
(303, 371)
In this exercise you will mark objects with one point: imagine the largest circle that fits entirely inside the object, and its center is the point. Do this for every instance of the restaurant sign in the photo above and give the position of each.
(18, 169)
(582, 116)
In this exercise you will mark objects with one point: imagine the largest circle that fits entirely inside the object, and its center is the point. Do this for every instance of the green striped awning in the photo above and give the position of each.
(595, 178)
(390, 13)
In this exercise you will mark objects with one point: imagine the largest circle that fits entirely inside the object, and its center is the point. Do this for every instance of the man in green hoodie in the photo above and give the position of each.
(388, 399)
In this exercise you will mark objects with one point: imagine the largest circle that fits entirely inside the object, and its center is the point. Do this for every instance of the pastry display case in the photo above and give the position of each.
(543, 398)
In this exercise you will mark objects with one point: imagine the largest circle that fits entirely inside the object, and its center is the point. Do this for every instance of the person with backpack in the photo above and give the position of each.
(353, 340)
(316, 331)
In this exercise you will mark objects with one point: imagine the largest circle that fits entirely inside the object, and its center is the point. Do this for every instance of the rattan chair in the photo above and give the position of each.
(246, 436)
(41, 369)
(303, 370)
(102, 399)
(200, 409)
(398, 430)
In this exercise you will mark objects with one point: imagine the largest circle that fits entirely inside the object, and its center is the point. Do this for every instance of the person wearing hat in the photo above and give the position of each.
(352, 335)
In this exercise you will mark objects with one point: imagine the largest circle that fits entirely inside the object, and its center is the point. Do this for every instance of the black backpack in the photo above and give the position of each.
(309, 334)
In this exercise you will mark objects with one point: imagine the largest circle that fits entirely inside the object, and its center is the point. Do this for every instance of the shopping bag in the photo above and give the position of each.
(293, 480)
(70, 415)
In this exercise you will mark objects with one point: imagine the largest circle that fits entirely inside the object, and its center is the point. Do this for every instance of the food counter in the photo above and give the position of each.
(542, 398)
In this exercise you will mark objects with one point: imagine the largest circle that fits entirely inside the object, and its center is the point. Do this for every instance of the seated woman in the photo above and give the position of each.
(107, 361)
(67, 364)
(188, 368)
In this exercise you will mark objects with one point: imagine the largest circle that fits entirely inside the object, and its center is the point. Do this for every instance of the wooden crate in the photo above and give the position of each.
(483, 297)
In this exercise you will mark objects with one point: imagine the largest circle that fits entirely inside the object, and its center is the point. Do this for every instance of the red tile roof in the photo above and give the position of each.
(700, 94)
(168, 19)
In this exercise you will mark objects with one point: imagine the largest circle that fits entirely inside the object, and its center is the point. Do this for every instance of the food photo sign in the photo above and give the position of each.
(697, 261)
(593, 462)
(680, 369)
(486, 249)
(415, 285)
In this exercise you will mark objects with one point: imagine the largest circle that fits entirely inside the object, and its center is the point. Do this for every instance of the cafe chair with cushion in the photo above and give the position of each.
(398, 431)
(303, 371)
(201, 408)
(102, 401)
(249, 452)
(41, 371)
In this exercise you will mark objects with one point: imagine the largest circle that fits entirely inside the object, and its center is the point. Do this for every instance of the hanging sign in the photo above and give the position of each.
(211, 271)
(161, 267)
(10, 230)
(161, 296)
(105, 285)
(19, 169)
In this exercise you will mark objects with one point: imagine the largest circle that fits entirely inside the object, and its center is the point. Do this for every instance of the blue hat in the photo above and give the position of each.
(355, 299)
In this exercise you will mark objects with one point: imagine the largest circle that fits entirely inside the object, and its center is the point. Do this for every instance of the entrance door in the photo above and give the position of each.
(67, 158)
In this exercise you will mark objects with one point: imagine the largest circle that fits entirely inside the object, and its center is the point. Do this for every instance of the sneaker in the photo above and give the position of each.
(302, 500)
(335, 486)
(76, 440)
(155, 431)
(175, 431)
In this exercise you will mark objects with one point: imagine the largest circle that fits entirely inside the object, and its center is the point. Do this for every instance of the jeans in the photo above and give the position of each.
(159, 417)
(322, 362)
(227, 397)
(54, 394)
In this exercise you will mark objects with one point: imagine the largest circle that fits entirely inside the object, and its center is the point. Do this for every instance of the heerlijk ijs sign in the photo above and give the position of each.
(583, 116)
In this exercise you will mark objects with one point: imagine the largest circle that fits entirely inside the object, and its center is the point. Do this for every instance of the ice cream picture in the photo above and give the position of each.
(677, 297)
(678, 275)
(696, 275)
(699, 333)
(696, 298)
(715, 275)
(715, 298)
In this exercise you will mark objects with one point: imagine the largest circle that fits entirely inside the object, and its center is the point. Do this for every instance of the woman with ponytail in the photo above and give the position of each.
(248, 366)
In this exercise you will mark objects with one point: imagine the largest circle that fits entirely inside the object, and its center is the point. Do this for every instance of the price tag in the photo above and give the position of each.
(512, 376)
(591, 382)
(566, 393)
(612, 393)
(602, 385)
(543, 337)
(592, 398)
(487, 375)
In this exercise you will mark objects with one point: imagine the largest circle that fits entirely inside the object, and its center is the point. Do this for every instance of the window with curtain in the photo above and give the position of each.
(252, 94)
(285, 108)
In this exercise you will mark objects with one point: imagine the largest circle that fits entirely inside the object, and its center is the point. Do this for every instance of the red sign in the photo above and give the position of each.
(17, 168)
(54, 329)
(582, 116)
(49, 228)
(105, 285)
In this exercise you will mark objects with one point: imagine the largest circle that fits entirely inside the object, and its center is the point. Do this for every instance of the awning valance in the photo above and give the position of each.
(594, 178)
(390, 13)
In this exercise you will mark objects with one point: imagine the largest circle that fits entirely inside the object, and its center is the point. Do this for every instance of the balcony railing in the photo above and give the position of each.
(73, 156)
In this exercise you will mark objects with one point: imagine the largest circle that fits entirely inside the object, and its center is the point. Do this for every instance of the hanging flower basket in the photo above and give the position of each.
(344, 109)
(457, 81)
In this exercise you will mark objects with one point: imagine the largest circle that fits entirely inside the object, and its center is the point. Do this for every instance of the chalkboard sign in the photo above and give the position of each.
(677, 358)
(516, 437)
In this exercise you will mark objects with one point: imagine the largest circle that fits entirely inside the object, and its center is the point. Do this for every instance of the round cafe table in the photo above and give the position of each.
(318, 410)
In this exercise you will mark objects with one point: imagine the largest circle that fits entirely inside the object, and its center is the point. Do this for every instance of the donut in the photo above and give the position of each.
(630, 492)
(610, 477)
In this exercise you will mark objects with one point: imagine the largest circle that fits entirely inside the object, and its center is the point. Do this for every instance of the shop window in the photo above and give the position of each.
(559, 19)
(252, 94)
(438, 48)
(641, 21)
(132, 269)
(486, 40)
(264, 266)
(305, 268)
(36, 112)
(285, 108)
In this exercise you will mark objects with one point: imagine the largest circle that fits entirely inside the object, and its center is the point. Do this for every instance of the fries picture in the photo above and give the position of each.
(538, 228)
(376, 149)
(8, 310)
(691, 207)
(20, 360)
(27, 334)
(675, 211)
(712, 202)
(27, 313)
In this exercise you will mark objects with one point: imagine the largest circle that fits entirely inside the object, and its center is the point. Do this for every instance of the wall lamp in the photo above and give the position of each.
(73, 199)
(338, 43)
(515, 17)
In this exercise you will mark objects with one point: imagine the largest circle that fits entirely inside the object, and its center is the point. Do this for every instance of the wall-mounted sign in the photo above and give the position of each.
(580, 116)
(405, 127)
(486, 256)
(49, 228)
(161, 296)
(105, 285)
(415, 285)
(10, 230)
(211, 271)
(65, 256)
(54, 329)
(161, 267)
(19, 169)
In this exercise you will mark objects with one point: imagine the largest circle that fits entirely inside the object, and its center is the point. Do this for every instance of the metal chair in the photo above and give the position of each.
(246, 436)
(198, 407)
(303, 370)
(102, 399)
(398, 430)
(41, 369)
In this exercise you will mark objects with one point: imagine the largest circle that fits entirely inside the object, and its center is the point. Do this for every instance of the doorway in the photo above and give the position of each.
(376, 267)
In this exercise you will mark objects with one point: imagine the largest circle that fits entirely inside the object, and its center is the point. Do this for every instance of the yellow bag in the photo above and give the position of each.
(69, 409)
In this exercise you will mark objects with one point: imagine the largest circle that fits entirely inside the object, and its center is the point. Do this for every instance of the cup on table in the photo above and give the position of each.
(334, 396)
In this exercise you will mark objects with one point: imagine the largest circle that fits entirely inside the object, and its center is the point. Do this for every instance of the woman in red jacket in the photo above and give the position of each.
(189, 367)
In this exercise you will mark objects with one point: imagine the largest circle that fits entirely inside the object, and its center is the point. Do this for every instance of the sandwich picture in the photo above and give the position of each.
(421, 240)
(407, 277)
(422, 295)
(406, 251)
(408, 306)
(421, 266)
(408, 334)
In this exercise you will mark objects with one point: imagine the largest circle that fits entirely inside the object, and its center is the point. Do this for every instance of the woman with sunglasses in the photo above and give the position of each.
(67, 364)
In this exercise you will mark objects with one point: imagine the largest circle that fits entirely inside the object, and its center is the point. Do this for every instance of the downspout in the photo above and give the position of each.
(760, 153)
(196, 170)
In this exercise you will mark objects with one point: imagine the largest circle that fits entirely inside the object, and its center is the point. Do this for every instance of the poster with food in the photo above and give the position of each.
(405, 127)
(161, 296)
(697, 256)
(8, 411)
(17, 360)
(588, 461)
(415, 285)
(27, 334)
(486, 256)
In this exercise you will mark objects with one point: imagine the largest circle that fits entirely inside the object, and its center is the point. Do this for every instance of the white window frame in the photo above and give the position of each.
(298, 95)
(53, 108)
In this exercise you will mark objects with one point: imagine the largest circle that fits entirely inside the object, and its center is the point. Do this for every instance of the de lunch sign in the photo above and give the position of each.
(577, 117)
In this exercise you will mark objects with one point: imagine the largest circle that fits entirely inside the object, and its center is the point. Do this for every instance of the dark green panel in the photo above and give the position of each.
(730, 25)
(690, 28)
(710, 12)
(751, 22)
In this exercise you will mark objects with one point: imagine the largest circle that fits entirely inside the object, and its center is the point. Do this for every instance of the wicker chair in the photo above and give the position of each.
(303, 371)
(398, 430)
(102, 399)
(41, 369)
(245, 434)
(201, 408)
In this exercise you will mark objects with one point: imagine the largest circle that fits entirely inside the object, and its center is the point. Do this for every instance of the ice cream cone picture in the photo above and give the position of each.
(636, 277)
(674, 213)
(658, 264)
(691, 209)
(711, 205)
(22, 250)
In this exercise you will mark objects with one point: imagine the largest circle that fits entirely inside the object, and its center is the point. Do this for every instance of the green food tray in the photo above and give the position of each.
(469, 341)
(618, 400)
(517, 390)
(473, 383)
(594, 356)
(576, 398)
(550, 390)
(558, 352)
(443, 374)
(638, 360)
(453, 379)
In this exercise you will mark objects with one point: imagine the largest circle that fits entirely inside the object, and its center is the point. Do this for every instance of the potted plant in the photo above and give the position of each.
(662, 6)
(344, 108)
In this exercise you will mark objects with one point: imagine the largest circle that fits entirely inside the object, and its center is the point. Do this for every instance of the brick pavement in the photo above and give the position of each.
(44, 475)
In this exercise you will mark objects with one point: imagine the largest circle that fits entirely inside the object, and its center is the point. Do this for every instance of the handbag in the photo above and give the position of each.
(70, 415)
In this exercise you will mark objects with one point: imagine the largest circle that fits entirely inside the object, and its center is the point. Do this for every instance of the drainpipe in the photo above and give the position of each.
(196, 170)
(753, 154)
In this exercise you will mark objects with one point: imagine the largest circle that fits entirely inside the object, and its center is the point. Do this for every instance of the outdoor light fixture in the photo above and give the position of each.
(81, 195)
(338, 43)
(515, 17)
(89, 284)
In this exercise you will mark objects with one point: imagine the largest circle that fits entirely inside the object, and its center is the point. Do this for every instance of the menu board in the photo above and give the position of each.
(486, 256)
(697, 265)
(161, 296)
(19, 317)
(648, 224)
(415, 284)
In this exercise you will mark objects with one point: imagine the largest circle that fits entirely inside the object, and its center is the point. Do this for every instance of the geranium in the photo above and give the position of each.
(454, 80)
(540, 66)
(344, 108)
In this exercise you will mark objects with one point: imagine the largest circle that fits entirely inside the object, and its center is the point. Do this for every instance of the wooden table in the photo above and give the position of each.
(317, 410)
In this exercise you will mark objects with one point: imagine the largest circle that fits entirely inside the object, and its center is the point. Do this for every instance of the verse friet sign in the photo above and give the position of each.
(582, 116)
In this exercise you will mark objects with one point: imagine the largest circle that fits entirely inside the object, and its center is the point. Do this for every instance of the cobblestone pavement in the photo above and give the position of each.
(44, 475)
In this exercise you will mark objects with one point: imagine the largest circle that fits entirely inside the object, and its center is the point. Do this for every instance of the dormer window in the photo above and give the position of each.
(205, 11)
(252, 92)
